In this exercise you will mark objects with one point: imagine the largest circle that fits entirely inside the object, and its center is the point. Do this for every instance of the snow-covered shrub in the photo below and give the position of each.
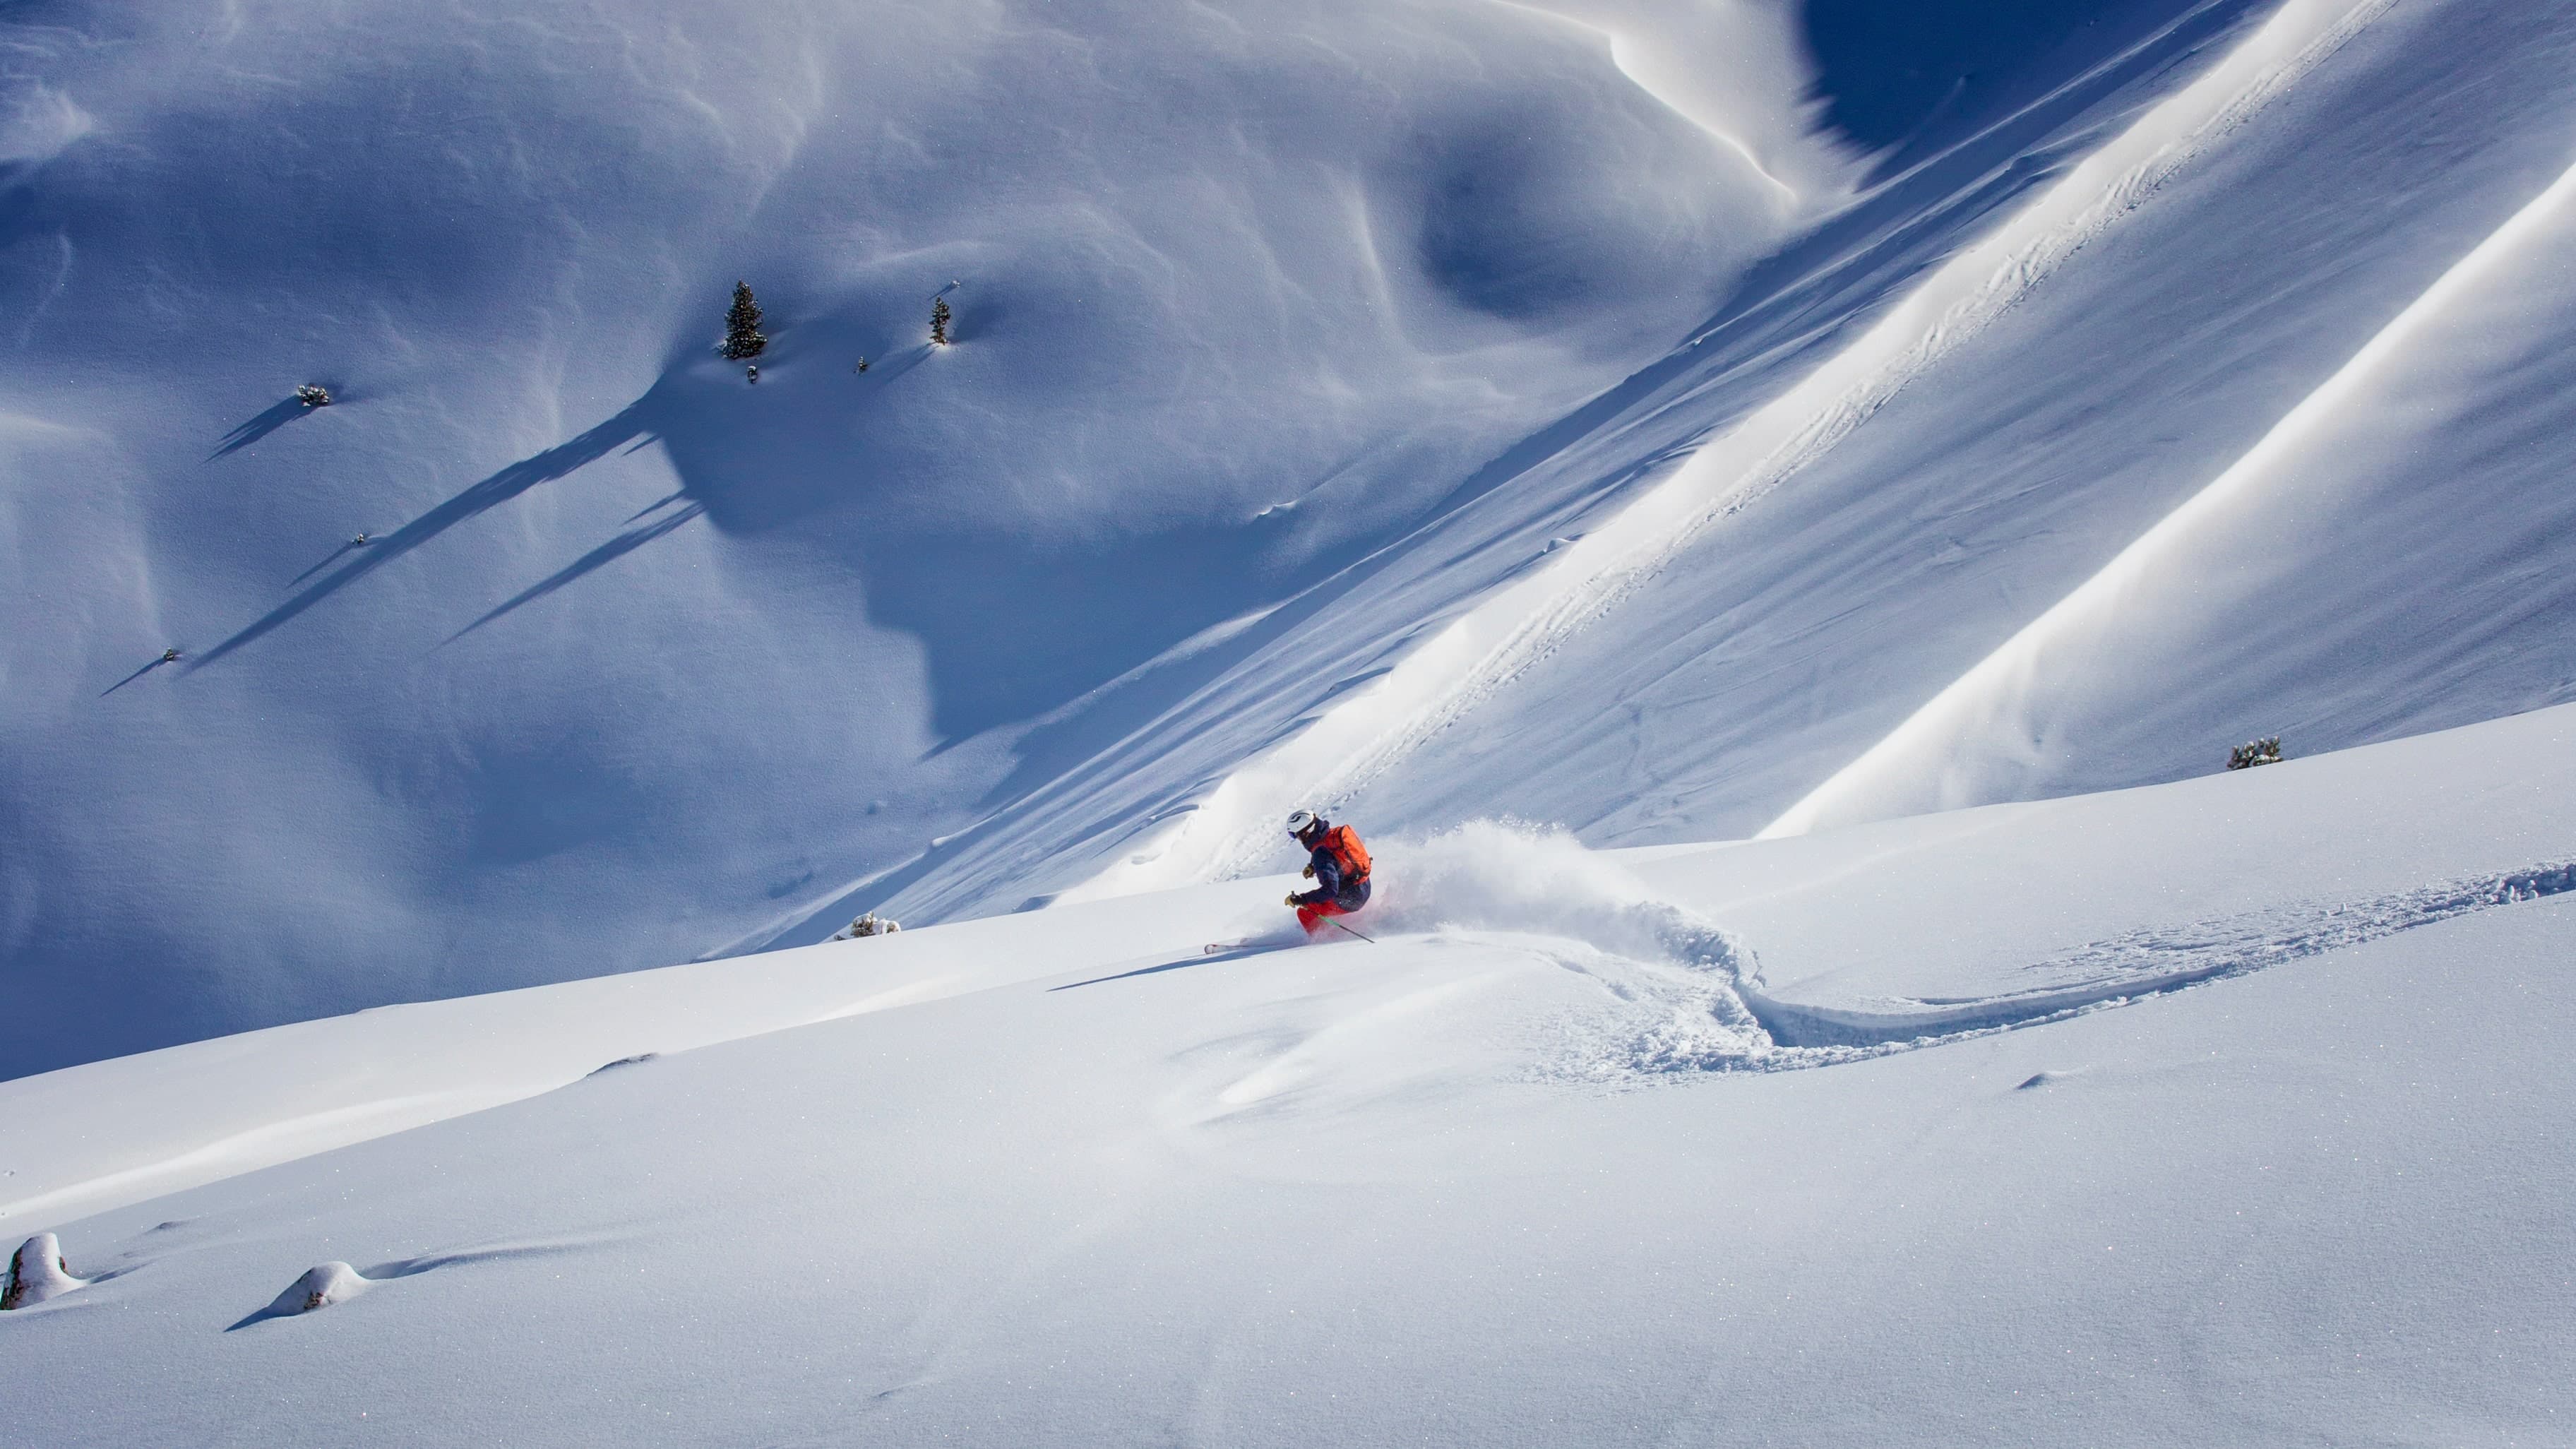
(939, 321)
(2265, 751)
(743, 338)
(867, 925)
(37, 1273)
(313, 395)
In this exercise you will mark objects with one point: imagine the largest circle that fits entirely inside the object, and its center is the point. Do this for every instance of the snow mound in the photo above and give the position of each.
(37, 1273)
(322, 1285)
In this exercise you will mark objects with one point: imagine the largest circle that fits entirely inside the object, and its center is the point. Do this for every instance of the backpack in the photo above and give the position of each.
(1348, 853)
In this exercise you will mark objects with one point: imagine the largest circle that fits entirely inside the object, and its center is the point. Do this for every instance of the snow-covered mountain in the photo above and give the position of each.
(638, 655)
(1632, 416)
(1769, 516)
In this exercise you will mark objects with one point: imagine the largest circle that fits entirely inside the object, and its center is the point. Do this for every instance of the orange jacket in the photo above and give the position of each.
(1340, 865)
(1349, 856)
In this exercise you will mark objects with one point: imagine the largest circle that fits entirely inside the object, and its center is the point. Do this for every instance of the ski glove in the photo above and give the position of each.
(1309, 872)
(1292, 898)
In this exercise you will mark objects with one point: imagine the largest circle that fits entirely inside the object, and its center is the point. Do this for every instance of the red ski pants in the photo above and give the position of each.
(1312, 917)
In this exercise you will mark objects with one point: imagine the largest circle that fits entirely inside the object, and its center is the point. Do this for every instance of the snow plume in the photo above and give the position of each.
(1506, 875)
(1674, 981)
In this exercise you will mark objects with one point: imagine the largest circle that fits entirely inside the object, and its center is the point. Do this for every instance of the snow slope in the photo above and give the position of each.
(1656, 421)
(638, 652)
(2215, 287)
(644, 664)
(1434, 411)
(1056, 1182)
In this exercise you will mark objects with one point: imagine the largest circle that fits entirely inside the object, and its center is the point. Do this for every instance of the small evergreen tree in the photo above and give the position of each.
(742, 326)
(939, 320)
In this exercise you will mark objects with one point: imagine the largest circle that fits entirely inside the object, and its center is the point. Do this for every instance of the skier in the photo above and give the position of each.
(1339, 867)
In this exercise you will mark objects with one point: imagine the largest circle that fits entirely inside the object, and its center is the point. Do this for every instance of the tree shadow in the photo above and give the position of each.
(500, 488)
(657, 505)
(328, 559)
(277, 416)
(156, 663)
(879, 374)
(616, 548)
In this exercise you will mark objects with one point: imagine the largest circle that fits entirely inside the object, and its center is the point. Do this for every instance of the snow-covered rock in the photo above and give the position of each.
(321, 1286)
(867, 924)
(38, 1271)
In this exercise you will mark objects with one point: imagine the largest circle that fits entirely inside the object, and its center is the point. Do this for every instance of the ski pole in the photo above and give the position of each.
(1355, 933)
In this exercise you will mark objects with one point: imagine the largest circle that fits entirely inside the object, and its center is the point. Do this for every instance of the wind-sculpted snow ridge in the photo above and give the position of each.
(1971, 743)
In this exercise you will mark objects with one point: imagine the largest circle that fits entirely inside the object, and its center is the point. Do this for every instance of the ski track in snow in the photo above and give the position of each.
(1702, 1007)
(1351, 743)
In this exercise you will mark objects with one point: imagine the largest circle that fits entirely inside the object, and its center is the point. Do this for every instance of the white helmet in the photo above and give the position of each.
(1300, 821)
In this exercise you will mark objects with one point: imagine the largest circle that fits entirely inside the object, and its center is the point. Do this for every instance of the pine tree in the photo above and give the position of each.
(742, 326)
(939, 320)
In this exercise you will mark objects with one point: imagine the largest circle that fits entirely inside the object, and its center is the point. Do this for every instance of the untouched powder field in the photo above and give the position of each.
(2218, 1111)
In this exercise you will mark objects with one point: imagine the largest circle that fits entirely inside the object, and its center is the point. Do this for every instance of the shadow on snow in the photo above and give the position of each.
(278, 415)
